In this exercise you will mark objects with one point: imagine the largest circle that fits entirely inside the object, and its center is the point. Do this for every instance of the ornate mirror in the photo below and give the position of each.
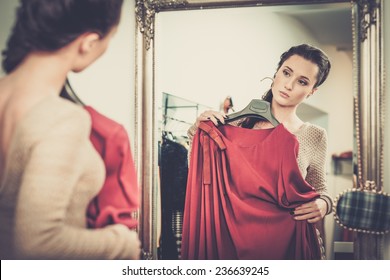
(192, 55)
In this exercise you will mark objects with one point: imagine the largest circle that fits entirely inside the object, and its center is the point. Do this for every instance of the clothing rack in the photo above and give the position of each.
(177, 120)
(178, 114)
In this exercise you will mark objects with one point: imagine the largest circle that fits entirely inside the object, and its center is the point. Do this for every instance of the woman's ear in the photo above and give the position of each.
(88, 42)
(312, 92)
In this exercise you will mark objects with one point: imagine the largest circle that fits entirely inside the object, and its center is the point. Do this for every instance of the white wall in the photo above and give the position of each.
(335, 98)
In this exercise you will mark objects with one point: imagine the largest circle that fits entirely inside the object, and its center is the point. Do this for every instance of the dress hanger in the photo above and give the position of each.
(68, 93)
(257, 108)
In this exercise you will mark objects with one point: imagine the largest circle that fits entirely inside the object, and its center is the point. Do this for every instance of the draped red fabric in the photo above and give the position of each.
(117, 201)
(242, 185)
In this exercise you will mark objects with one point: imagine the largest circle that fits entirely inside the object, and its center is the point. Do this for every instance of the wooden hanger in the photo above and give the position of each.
(257, 108)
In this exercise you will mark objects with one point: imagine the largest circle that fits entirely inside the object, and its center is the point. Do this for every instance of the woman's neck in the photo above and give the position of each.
(287, 116)
(41, 73)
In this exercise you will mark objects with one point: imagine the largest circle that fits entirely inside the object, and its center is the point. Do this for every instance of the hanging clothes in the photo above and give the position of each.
(174, 172)
(242, 185)
(117, 201)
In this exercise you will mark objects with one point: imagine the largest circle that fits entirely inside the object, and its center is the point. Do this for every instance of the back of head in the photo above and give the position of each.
(49, 25)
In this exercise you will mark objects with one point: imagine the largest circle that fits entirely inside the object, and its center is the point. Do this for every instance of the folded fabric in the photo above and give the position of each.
(117, 201)
(242, 186)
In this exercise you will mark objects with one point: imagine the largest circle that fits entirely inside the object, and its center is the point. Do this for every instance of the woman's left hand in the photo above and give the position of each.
(312, 211)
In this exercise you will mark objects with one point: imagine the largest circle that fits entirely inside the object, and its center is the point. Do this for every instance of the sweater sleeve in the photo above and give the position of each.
(191, 132)
(54, 166)
(316, 173)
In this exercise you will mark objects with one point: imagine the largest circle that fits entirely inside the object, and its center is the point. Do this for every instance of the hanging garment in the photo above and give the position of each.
(174, 172)
(117, 202)
(242, 185)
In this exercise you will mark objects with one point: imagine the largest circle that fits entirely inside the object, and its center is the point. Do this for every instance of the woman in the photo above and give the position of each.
(301, 70)
(49, 170)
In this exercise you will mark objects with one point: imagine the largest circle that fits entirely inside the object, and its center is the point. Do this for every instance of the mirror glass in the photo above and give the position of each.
(204, 56)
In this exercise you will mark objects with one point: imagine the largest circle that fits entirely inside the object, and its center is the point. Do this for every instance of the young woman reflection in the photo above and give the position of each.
(301, 70)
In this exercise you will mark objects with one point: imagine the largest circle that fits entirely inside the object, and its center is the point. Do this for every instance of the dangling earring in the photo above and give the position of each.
(310, 94)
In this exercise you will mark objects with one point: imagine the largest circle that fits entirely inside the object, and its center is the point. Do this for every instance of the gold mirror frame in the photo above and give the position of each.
(367, 26)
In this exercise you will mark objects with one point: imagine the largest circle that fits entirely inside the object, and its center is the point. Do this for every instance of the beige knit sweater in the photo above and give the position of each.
(311, 157)
(52, 172)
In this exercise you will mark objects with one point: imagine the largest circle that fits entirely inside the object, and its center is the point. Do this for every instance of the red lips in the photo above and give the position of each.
(283, 94)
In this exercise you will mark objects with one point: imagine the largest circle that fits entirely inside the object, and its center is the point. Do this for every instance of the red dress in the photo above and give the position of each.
(242, 185)
(117, 201)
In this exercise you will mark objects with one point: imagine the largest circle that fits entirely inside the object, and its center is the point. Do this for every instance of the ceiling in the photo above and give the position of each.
(330, 24)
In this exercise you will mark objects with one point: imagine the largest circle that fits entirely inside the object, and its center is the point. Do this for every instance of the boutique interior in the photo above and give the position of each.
(175, 59)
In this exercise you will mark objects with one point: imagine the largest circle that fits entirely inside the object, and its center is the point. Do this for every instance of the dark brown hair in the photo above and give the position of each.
(48, 25)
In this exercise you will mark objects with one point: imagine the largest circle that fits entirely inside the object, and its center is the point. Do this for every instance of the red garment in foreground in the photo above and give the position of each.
(117, 201)
(242, 184)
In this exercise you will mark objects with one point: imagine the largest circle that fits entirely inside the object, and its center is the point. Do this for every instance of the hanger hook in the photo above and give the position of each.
(265, 78)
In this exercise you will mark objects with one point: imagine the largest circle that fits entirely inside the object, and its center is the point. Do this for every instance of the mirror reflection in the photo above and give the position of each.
(221, 59)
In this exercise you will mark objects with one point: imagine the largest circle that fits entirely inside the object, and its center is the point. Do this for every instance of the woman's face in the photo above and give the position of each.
(294, 81)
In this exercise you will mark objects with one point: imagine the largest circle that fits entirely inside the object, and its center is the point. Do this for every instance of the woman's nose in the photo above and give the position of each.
(289, 84)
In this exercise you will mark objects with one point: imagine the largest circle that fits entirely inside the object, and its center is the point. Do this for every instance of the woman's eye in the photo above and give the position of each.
(303, 82)
(286, 73)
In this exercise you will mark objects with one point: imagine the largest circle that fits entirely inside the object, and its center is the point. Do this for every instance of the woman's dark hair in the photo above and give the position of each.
(308, 52)
(48, 25)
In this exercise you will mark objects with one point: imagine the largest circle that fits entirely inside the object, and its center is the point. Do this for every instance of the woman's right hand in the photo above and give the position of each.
(214, 116)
